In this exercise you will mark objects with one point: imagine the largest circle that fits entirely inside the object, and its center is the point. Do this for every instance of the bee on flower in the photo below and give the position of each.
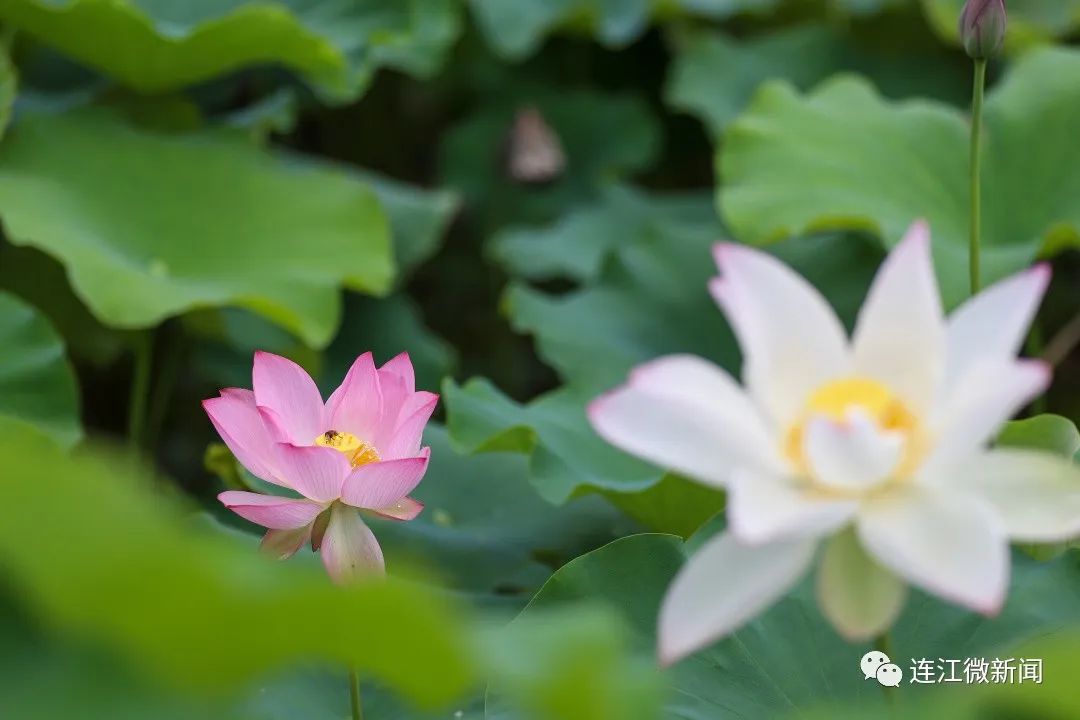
(358, 453)
(873, 451)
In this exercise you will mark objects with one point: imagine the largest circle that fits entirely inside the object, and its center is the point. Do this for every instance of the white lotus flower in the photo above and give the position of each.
(878, 446)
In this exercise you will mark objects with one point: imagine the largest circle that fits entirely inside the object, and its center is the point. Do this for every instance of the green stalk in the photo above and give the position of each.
(354, 695)
(975, 176)
(883, 644)
(140, 389)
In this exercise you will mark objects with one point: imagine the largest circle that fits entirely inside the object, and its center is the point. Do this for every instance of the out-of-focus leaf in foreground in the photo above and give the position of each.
(789, 660)
(795, 163)
(158, 45)
(37, 385)
(151, 225)
(91, 550)
(544, 683)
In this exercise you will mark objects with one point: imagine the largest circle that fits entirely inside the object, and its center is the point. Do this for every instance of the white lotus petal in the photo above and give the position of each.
(1036, 494)
(850, 455)
(989, 394)
(724, 585)
(949, 544)
(685, 414)
(764, 508)
(899, 337)
(994, 323)
(791, 340)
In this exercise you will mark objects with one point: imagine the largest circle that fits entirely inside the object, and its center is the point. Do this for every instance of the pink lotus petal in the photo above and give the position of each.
(382, 484)
(275, 426)
(271, 511)
(405, 509)
(349, 549)
(240, 426)
(356, 406)
(316, 473)
(408, 432)
(283, 544)
(400, 366)
(284, 387)
(398, 384)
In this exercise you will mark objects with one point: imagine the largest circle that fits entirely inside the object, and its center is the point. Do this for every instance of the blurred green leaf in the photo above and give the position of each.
(714, 76)
(516, 28)
(40, 280)
(158, 45)
(603, 137)
(576, 669)
(419, 218)
(789, 659)
(650, 299)
(201, 610)
(153, 225)
(37, 384)
(1051, 433)
(578, 244)
(795, 163)
(674, 505)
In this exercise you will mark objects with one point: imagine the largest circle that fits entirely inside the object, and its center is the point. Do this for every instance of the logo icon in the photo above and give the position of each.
(876, 664)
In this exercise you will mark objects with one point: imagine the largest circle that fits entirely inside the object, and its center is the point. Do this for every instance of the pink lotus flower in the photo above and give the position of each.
(359, 452)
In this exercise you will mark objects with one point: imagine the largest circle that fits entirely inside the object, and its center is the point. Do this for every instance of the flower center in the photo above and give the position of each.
(358, 451)
(838, 401)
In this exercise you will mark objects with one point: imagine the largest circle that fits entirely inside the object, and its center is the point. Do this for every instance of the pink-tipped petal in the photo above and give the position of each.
(349, 549)
(381, 484)
(283, 544)
(285, 387)
(401, 367)
(976, 408)
(237, 420)
(408, 432)
(316, 473)
(951, 545)
(271, 511)
(791, 340)
(724, 585)
(356, 406)
(994, 323)
(899, 336)
(404, 509)
(686, 414)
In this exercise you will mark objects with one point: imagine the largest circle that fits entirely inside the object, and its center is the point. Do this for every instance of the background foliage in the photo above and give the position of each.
(184, 183)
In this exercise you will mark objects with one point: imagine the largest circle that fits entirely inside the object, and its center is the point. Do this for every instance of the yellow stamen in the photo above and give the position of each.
(835, 399)
(358, 451)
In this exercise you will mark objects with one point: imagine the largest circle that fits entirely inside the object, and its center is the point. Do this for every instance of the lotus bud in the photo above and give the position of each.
(982, 28)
